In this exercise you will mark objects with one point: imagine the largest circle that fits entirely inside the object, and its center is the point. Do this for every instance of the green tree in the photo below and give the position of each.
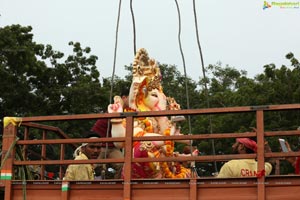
(280, 86)
(18, 67)
(37, 80)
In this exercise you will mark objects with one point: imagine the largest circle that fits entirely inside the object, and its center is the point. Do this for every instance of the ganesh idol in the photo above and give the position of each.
(146, 94)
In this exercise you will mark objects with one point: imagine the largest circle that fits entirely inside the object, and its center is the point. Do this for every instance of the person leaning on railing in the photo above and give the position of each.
(243, 167)
(86, 151)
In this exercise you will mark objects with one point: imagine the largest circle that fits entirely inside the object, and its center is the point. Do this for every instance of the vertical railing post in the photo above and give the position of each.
(65, 187)
(25, 147)
(193, 189)
(277, 166)
(43, 156)
(260, 154)
(62, 157)
(128, 158)
(9, 137)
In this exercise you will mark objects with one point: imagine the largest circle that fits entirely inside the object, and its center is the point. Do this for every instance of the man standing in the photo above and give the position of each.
(243, 167)
(84, 172)
(103, 128)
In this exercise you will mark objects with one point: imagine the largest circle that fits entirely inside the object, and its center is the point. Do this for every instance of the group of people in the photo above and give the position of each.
(231, 169)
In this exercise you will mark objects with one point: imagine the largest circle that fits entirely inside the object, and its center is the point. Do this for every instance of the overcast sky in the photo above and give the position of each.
(234, 32)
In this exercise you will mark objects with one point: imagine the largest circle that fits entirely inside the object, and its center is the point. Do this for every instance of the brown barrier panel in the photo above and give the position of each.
(8, 141)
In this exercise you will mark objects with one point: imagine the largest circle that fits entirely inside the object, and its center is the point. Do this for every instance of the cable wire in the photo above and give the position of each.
(205, 81)
(112, 84)
(194, 171)
(115, 52)
(133, 26)
(184, 66)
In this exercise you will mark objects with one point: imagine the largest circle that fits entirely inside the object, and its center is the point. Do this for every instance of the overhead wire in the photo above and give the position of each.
(184, 66)
(115, 51)
(112, 83)
(193, 169)
(133, 26)
(205, 80)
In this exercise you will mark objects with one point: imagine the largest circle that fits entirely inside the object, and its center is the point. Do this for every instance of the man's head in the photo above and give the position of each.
(124, 96)
(244, 145)
(91, 150)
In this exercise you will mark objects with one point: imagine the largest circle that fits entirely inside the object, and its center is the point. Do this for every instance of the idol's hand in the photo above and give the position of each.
(117, 106)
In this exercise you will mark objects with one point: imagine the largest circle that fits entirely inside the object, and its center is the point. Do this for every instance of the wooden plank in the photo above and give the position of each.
(260, 155)
(9, 136)
(277, 188)
(128, 159)
(193, 189)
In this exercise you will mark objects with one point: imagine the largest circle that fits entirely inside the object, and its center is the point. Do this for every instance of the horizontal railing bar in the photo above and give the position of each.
(163, 113)
(206, 158)
(195, 137)
(282, 133)
(69, 141)
(282, 154)
(145, 138)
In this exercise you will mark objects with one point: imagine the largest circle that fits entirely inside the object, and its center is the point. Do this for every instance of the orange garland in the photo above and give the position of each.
(182, 172)
(139, 134)
(169, 144)
(148, 125)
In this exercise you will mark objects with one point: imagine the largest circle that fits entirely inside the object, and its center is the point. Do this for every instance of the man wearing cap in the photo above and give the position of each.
(84, 172)
(243, 167)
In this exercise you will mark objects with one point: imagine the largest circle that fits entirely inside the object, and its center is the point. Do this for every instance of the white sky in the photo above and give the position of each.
(234, 32)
